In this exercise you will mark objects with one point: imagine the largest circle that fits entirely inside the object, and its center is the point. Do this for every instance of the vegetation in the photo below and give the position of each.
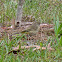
(40, 9)
(44, 10)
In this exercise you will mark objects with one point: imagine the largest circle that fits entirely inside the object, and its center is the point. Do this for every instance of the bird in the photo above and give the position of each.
(33, 29)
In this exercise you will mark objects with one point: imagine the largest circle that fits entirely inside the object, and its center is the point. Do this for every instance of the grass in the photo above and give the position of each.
(43, 10)
(7, 10)
(48, 12)
(26, 55)
(40, 9)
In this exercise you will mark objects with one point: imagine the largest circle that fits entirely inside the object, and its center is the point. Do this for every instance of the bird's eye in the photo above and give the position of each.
(17, 22)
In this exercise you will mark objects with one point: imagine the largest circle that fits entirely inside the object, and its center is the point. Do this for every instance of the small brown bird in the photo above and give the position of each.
(33, 29)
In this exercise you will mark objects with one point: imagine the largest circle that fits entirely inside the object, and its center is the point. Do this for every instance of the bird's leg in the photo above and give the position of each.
(28, 37)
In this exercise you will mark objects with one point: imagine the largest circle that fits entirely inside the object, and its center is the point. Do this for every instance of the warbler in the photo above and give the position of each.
(33, 29)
